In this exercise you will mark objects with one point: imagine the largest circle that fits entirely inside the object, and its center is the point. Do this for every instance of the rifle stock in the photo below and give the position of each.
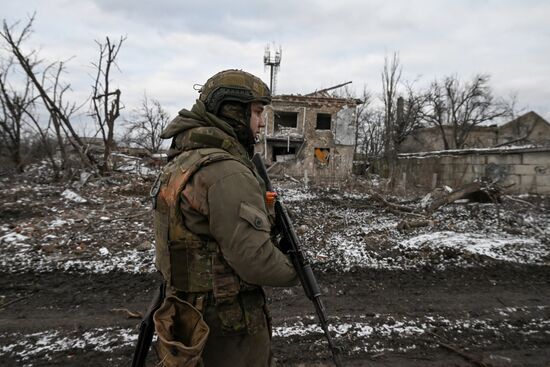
(291, 246)
(147, 329)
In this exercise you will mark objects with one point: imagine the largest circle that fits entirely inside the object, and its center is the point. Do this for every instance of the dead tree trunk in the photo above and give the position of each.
(455, 195)
(55, 110)
(106, 103)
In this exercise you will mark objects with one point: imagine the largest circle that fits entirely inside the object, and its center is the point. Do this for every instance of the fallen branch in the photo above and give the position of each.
(455, 195)
(402, 208)
(13, 301)
(463, 354)
(288, 177)
(130, 314)
(520, 201)
(470, 358)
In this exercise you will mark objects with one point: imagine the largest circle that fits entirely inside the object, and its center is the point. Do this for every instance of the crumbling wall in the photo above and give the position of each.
(520, 171)
(319, 154)
(344, 132)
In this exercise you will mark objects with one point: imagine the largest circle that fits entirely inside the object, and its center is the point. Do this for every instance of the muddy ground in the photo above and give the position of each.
(470, 288)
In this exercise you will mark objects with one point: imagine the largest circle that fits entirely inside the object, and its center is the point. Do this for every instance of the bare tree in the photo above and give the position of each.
(391, 75)
(372, 132)
(48, 145)
(409, 114)
(147, 123)
(13, 104)
(51, 96)
(105, 101)
(361, 113)
(461, 106)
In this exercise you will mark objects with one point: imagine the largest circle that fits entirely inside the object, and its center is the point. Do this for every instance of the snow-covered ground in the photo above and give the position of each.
(51, 341)
(105, 225)
(366, 333)
(339, 230)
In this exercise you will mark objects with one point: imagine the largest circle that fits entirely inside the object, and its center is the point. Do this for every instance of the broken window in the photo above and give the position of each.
(323, 121)
(322, 155)
(285, 119)
(283, 154)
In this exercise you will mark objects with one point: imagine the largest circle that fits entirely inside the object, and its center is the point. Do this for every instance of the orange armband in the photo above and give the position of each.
(270, 197)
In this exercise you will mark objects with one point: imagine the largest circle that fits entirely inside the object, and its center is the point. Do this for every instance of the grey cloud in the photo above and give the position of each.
(173, 44)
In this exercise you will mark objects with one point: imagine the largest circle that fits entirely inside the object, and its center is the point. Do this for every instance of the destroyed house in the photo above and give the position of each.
(309, 136)
(515, 156)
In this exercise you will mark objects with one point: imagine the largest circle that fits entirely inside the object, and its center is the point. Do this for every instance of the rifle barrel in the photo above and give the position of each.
(300, 262)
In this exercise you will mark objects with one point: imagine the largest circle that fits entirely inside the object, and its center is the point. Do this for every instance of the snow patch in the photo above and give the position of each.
(73, 196)
(59, 223)
(498, 247)
(24, 258)
(13, 237)
(46, 342)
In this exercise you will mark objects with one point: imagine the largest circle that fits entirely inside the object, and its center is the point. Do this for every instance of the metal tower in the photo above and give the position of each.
(273, 62)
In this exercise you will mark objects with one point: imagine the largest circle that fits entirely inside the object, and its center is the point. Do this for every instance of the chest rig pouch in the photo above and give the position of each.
(187, 261)
(193, 264)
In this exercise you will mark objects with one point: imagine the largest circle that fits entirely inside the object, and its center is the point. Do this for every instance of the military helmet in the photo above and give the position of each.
(233, 86)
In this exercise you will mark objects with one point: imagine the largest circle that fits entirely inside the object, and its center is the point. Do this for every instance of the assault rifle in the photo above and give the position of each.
(291, 246)
(147, 329)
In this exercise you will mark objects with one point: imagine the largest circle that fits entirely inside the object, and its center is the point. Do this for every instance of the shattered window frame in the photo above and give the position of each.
(323, 119)
(285, 119)
(278, 151)
(322, 156)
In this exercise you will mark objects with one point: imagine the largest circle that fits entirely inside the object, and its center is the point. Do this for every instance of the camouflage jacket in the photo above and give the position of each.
(222, 205)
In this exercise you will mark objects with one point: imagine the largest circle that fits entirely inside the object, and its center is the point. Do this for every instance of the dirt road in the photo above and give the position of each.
(498, 315)
(469, 289)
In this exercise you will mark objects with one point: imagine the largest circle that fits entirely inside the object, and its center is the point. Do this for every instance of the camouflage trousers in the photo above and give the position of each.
(238, 349)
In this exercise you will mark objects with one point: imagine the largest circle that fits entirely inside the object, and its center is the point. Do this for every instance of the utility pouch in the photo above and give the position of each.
(231, 316)
(245, 313)
(254, 311)
(182, 333)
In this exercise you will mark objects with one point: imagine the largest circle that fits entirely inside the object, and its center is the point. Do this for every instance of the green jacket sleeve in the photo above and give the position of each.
(238, 222)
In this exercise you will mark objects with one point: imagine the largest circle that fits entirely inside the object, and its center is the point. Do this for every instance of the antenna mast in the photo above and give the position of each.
(274, 63)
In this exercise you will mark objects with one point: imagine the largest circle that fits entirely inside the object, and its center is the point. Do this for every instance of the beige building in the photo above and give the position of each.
(516, 155)
(310, 136)
(529, 128)
(526, 129)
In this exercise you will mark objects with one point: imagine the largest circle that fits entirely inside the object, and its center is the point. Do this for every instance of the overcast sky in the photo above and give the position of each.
(173, 44)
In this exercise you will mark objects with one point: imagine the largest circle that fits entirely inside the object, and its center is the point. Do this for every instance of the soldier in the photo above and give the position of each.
(213, 231)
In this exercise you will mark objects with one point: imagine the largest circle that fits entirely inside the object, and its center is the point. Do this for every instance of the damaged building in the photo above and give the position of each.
(311, 137)
(529, 128)
(516, 155)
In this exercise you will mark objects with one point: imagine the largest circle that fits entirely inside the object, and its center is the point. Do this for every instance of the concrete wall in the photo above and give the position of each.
(526, 170)
(305, 138)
